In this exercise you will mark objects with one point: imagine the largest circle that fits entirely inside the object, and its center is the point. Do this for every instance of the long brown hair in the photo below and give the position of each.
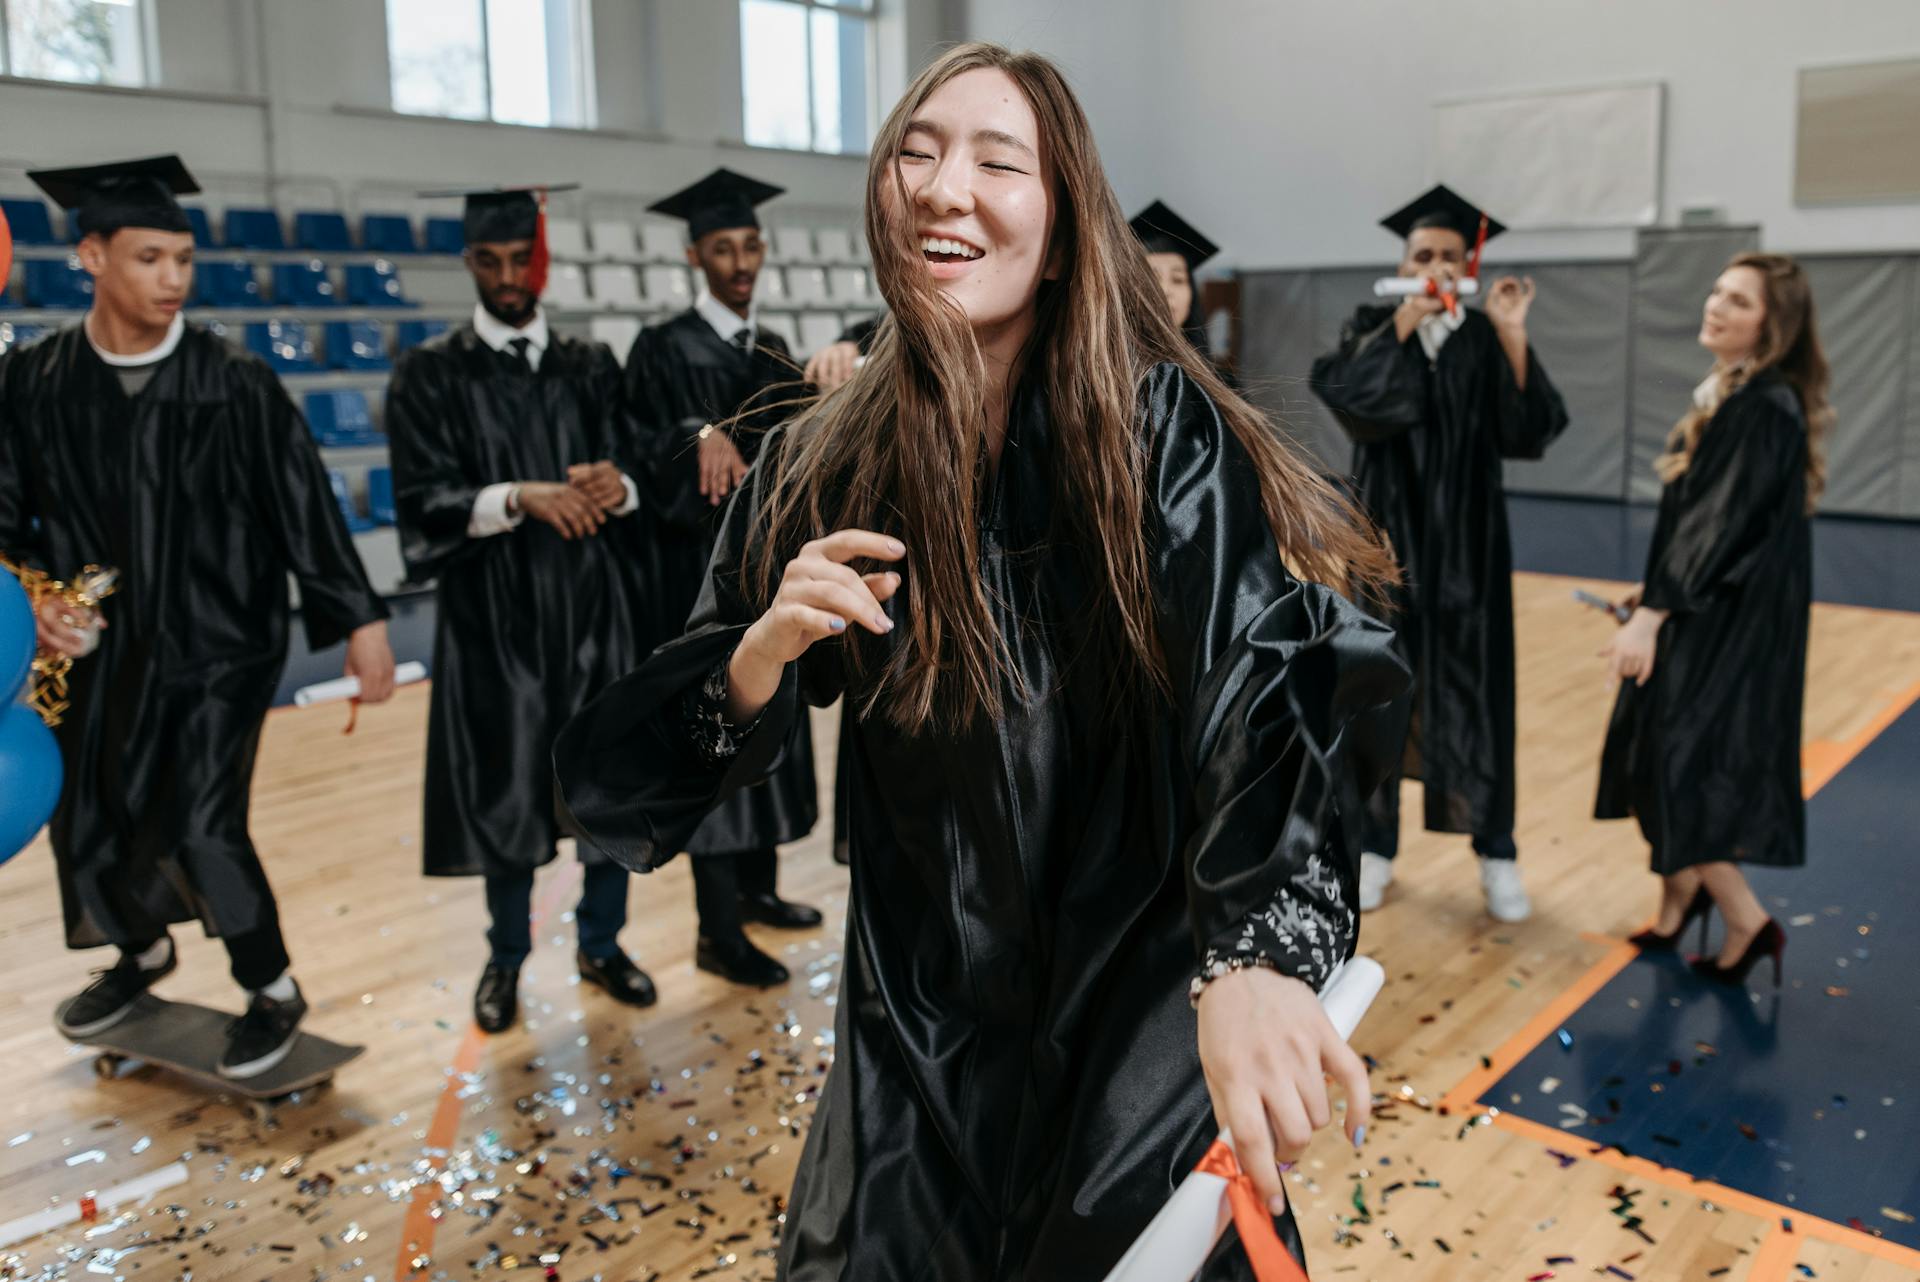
(1790, 343)
(900, 447)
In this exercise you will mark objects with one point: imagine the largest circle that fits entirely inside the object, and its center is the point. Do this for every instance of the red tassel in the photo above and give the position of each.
(1271, 1261)
(537, 266)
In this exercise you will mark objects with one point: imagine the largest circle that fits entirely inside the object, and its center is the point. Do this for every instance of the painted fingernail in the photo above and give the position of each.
(838, 625)
(1277, 1206)
(1359, 1137)
(1285, 1167)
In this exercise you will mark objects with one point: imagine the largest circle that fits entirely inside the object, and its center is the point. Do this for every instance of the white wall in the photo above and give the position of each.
(1285, 128)
(299, 89)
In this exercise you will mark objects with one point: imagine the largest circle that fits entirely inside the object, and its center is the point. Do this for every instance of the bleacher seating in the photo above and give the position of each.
(375, 284)
(849, 285)
(782, 324)
(818, 330)
(567, 239)
(322, 230)
(445, 236)
(285, 344)
(254, 229)
(668, 288)
(834, 244)
(772, 286)
(341, 417)
(617, 332)
(356, 523)
(357, 345)
(12, 335)
(28, 220)
(567, 288)
(666, 242)
(615, 287)
(411, 333)
(226, 283)
(807, 285)
(388, 233)
(613, 240)
(380, 495)
(57, 282)
(303, 285)
(793, 245)
(202, 227)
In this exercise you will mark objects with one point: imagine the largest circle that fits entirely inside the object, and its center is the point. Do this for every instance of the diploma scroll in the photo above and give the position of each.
(1408, 286)
(349, 687)
(85, 1208)
(1179, 1239)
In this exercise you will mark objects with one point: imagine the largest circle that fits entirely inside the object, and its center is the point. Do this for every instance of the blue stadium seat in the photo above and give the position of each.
(228, 283)
(12, 335)
(355, 522)
(286, 345)
(388, 233)
(58, 282)
(254, 229)
(303, 285)
(380, 495)
(28, 220)
(446, 236)
(341, 416)
(412, 333)
(356, 345)
(202, 229)
(322, 230)
(374, 284)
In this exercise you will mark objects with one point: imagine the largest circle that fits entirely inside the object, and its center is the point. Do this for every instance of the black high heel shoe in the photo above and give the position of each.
(1770, 942)
(1652, 941)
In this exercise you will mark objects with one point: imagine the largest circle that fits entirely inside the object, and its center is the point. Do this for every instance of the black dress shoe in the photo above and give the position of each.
(769, 909)
(739, 961)
(616, 973)
(497, 1001)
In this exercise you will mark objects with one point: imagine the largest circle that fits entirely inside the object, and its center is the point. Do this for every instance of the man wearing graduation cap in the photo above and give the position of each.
(513, 455)
(137, 441)
(1435, 395)
(1175, 250)
(688, 378)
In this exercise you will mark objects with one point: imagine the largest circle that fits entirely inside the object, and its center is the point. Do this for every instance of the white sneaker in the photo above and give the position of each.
(1376, 874)
(1506, 896)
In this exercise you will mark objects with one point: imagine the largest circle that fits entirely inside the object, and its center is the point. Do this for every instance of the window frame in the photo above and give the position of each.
(582, 55)
(145, 22)
(868, 15)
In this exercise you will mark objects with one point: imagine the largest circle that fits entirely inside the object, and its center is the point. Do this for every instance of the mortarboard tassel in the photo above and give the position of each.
(538, 264)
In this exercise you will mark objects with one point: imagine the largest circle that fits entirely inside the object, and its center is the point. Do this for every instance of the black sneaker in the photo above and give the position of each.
(264, 1036)
(113, 992)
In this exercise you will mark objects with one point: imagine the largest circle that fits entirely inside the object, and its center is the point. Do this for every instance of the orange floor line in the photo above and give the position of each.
(420, 1228)
(1822, 759)
(1773, 1262)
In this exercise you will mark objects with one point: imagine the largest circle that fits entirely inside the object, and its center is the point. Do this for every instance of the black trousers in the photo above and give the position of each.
(255, 958)
(720, 880)
(1380, 828)
(598, 917)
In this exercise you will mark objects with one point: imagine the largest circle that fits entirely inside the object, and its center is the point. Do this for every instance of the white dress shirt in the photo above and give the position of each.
(725, 321)
(490, 516)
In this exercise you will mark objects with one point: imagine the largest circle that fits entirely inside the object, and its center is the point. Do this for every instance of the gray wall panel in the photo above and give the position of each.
(1672, 274)
(1578, 328)
(1278, 343)
(1910, 433)
(1863, 306)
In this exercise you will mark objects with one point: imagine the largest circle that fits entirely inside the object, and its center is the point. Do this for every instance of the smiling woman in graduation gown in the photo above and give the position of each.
(1040, 892)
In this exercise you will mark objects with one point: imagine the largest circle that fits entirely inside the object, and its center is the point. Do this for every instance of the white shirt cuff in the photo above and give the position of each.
(632, 503)
(490, 512)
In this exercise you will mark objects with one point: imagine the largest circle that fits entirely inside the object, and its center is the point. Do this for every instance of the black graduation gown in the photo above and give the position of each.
(680, 376)
(1016, 1086)
(1428, 441)
(1707, 753)
(529, 626)
(205, 491)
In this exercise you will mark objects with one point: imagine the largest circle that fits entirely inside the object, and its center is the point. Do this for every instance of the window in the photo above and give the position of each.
(520, 62)
(85, 41)
(806, 71)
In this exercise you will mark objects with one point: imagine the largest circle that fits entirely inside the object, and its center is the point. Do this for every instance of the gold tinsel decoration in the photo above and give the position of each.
(47, 688)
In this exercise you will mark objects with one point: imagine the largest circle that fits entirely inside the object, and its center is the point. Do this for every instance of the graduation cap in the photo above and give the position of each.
(1164, 232)
(496, 214)
(721, 200)
(124, 193)
(1442, 207)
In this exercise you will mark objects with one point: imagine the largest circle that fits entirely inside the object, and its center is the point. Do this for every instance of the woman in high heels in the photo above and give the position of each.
(1704, 744)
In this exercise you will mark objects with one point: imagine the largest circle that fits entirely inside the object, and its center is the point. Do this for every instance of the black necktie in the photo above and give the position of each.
(742, 341)
(521, 347)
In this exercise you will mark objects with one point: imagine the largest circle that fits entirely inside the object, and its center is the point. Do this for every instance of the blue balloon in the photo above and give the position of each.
(30, 777)
(16, 637)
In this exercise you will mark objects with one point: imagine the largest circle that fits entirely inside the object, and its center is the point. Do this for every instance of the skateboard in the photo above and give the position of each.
(187, 1039)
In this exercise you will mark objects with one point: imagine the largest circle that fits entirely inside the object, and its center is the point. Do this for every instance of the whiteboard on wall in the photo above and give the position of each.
(1572, 158)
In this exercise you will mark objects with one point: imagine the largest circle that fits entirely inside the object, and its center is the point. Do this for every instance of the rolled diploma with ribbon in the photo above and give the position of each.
(85, 1208)
(349, 687)
(1179, 1239)
(1407, 286)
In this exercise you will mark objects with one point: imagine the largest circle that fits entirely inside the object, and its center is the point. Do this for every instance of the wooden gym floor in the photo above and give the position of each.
(596, 1142)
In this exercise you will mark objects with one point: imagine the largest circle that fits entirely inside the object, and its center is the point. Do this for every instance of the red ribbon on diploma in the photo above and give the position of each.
(1271, 1260)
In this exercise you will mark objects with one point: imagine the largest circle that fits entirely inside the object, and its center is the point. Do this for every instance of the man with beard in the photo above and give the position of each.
(689, 379)
(512, 466)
